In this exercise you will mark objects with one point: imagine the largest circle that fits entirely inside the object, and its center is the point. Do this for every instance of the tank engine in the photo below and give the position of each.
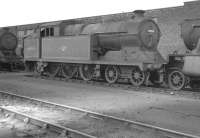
(110, 50)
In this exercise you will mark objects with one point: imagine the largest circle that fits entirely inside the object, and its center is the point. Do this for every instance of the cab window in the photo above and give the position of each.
(42, 32)
(47, 32)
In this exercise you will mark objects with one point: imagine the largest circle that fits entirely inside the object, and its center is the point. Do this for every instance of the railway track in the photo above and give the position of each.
(74, 122)
(64, 131)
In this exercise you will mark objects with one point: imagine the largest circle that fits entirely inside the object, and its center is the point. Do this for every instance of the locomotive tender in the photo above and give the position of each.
(111, 50)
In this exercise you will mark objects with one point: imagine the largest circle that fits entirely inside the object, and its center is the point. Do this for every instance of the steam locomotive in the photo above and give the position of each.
(8, 48)
(125, 49)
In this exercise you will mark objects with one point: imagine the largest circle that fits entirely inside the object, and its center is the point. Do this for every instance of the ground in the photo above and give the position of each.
(168, 111)
(13, 128)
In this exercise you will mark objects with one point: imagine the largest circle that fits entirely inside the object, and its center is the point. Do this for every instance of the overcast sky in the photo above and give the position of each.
(16, 12)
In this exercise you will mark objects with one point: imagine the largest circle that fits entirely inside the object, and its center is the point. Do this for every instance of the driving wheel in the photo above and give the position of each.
(137, 77)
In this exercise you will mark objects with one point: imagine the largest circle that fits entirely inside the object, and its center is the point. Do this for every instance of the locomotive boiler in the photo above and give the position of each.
(139, 31)
(144, 34)
(110, 50)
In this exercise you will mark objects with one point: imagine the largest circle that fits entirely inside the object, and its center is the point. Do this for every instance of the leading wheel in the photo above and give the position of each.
(176, 80)
(137, 77)
(87, 72)
(111, 74)
(69, 70)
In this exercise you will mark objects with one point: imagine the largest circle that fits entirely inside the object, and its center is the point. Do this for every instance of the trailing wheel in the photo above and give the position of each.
(137, 77)
(112, 74)
(69, 70)
(176, 80)
(53, 69)
(87, 71)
